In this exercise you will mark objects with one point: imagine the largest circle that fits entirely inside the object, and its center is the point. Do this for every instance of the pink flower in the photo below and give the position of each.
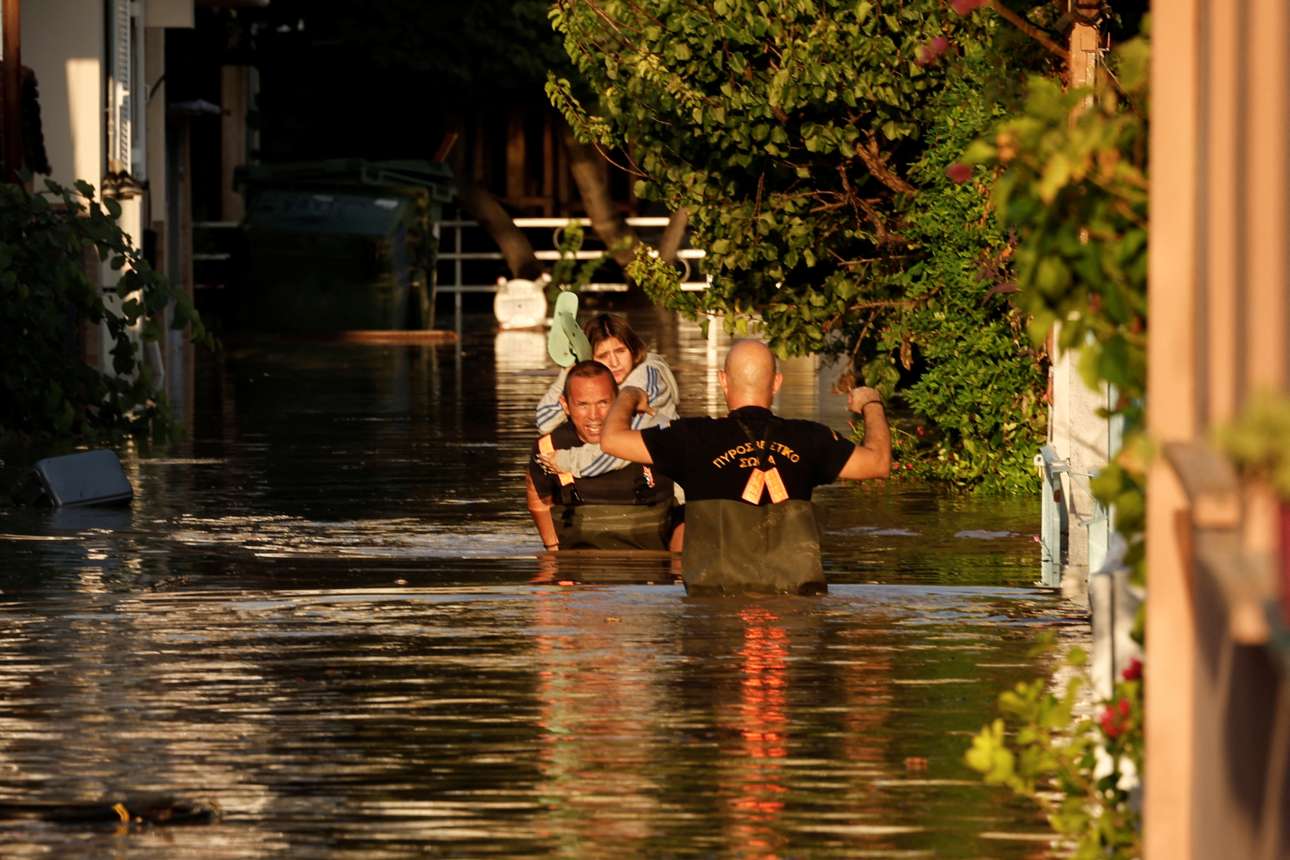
(959, 173)
(967, 7)
(1110, 725)
(1133, 671)
(1115, 719)
(928, 53)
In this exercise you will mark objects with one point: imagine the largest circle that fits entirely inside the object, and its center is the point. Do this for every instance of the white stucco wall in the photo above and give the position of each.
(155, 91)
(63, 42)
(169, 13)
(1083, 438)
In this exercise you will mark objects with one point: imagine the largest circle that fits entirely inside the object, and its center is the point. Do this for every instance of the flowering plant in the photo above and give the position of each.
(1092, 757)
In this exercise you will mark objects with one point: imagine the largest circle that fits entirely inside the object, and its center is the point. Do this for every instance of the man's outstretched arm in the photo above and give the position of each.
(540, 508)
(872, 458)
(617, 438)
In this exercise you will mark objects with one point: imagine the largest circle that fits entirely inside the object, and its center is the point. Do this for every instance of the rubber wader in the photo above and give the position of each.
(733, 547)
(612, 526)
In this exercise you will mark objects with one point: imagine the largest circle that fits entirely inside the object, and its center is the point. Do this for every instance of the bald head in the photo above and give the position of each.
(750, 377)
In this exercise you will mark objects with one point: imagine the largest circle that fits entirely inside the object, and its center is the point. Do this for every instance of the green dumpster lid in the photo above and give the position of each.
(299, 210)
(435, 177)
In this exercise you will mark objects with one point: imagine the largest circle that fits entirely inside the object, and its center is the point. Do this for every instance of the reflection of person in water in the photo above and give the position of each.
(628, 508)
(748, 477)
(738, 682)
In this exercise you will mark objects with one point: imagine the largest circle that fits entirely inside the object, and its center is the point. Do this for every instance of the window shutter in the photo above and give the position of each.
(119, 90)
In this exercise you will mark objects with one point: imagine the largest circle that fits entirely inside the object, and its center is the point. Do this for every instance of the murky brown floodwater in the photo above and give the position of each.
(325, 613)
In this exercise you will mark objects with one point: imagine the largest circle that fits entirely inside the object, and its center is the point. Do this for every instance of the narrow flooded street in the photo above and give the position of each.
(326, 612)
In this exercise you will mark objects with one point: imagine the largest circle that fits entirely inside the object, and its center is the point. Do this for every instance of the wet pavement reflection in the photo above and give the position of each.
(328, 612)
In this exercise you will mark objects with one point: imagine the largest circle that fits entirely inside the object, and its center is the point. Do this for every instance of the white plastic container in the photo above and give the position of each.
(520, 303)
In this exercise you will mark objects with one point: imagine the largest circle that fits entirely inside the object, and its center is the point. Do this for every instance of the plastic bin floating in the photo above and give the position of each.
(87, 478)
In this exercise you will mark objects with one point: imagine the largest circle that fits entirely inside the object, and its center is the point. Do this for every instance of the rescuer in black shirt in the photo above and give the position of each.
(748, 477)
(628, 508)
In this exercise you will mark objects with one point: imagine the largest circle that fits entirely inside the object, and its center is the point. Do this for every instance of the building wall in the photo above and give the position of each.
(154, 81)
(1217, 703)
(63, 43)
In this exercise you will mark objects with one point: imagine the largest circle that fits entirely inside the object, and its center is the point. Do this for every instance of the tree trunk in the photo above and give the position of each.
(484, 208)
(587, 167)
(669, 244)
(516, 248)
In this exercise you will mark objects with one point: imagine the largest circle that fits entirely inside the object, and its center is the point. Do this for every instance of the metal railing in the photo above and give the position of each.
(451, 253)
(450, 266)
(214, 226)
(1053, 533)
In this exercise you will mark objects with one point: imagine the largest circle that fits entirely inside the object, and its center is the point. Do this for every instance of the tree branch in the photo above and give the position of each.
(873, 160)
(1028, 28)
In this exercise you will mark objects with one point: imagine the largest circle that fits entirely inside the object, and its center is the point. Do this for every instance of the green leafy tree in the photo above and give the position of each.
(1070, 183)
(1072, 186)
(47, 391)
(957, 347)
(809, 147)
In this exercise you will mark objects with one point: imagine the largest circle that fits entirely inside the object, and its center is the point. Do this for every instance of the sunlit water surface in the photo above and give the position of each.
(327, 613)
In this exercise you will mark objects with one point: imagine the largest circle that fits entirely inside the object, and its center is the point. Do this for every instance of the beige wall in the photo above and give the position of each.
(1218, 706)
(235, 100)
(63, 42)
(155, 87)
(169, 13)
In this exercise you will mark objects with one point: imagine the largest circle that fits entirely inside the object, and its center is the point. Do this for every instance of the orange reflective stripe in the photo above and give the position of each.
(546, 446)
(775, 483)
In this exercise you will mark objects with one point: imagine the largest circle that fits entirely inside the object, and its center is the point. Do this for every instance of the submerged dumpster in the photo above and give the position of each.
(341, 245)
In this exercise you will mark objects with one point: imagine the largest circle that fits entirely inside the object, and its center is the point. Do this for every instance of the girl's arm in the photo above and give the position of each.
(655, 378)
(588, 461)
(549, 413)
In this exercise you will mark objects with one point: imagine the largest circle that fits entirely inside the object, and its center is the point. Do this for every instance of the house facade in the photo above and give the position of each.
(1218, 602)
(100, 66)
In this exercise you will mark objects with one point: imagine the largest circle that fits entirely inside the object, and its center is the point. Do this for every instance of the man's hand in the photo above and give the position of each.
(618, 439)
(861, 397)
(636, 398)
(557, 461)
(872, 458)
(540, 509)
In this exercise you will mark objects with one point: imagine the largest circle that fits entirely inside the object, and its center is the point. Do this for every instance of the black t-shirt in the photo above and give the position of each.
(633, 485)
(711, 458)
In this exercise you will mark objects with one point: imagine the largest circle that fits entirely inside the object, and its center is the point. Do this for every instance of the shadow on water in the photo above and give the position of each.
(329, 614)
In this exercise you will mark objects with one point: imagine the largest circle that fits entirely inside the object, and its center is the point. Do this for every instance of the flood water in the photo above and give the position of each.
(327, 612)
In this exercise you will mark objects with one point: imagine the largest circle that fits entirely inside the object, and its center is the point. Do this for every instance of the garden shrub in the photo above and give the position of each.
(47, 391)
